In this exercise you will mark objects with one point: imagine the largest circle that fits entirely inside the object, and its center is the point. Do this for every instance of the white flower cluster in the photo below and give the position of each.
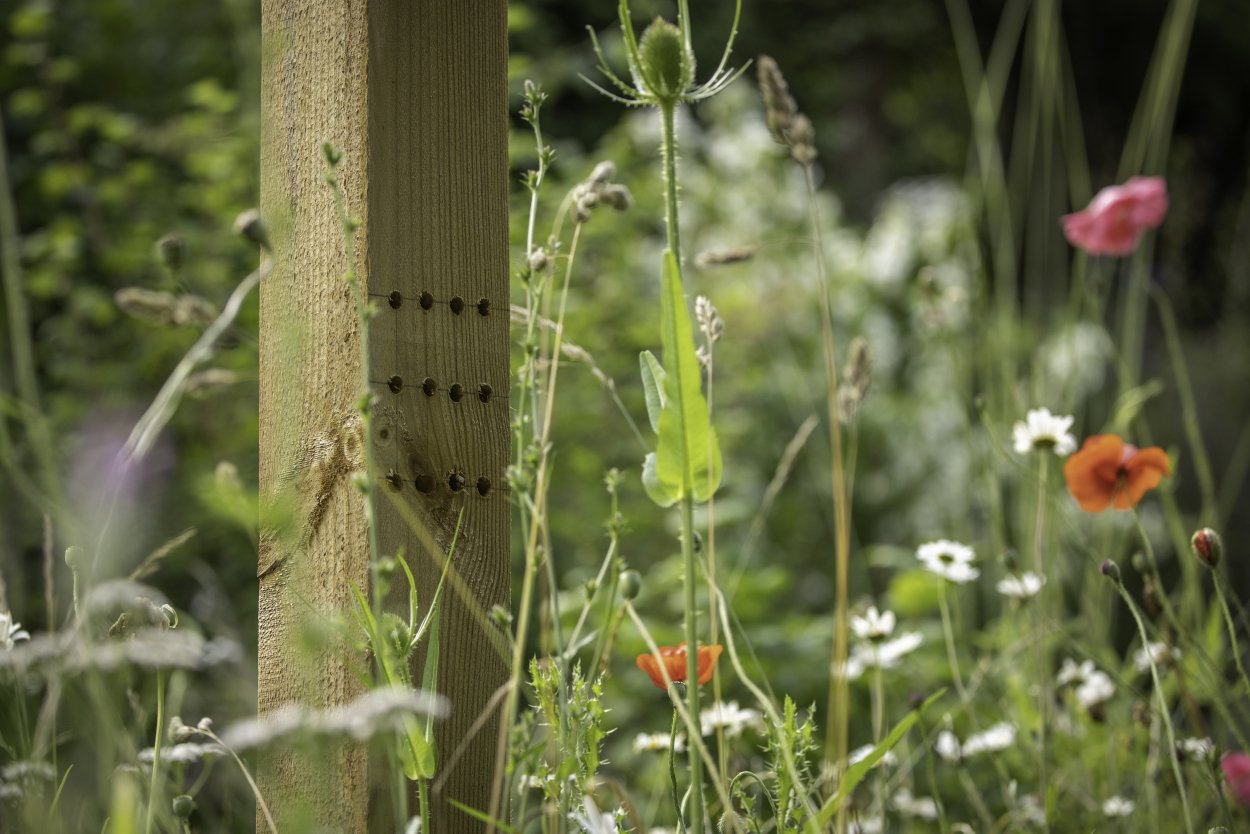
(878, 652)
(1118, 806)
(1161, 653)
(658, 743)
(950, 560)
(909, 805)
(1042, 430)
(998, 737)
(1196, 749)
(1025, 586)
(1094, 687)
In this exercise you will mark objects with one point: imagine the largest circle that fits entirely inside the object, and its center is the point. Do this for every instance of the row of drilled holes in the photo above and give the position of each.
(429, 387)
(457, 304)
(425, 483)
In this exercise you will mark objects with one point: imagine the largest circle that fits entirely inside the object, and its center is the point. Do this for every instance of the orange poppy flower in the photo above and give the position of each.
(1109, 471)
(674, 658)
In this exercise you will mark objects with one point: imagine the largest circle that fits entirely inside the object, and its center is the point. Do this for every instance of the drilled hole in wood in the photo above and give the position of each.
(426, 301)
(483, 486)
(456, 481)
(393, 480)
(384, 434)
(395, 299)
(396, 384)
(456, 304)
(483, 392)
(429, 387)
(483, 307)
(424, 483)
(456, 392)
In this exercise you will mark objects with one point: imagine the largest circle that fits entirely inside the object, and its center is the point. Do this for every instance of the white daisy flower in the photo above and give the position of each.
(996, 738)
(860, 753)
(884, 655)
(1043, 430)
(1161, 653)
(873, 625)
(921, 807)
(731, 717)
(658, 743)
(10, 632)
(1196, 749)
(950, 560)
(1118, 806)
(865, 825)
(1022, 587)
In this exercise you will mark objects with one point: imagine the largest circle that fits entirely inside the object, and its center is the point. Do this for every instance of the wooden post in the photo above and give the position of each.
(414, 95)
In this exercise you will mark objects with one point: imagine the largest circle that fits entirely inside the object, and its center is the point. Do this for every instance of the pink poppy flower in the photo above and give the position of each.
(1118, 216)
(1236, 767)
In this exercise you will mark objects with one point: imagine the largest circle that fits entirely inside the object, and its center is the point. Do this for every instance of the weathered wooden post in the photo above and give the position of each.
(413, 93)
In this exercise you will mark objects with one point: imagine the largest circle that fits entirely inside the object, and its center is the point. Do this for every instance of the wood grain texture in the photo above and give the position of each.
(414, 94)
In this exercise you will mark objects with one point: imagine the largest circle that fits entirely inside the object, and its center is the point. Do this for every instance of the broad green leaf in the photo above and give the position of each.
(415, 753)
(653, 381)
(661, 494)
(856, 772)
(687, 455)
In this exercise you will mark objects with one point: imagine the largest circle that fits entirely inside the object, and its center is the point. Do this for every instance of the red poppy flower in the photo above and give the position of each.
(1118, 216)
(674, 658)
(1107, 470)
(1236, 767)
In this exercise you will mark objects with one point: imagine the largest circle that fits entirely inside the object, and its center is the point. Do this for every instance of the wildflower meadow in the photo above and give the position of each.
(552, 417)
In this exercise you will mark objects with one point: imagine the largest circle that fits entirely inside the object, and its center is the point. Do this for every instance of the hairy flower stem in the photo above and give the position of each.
(423, 798)
(669, 150)
(1164, 713)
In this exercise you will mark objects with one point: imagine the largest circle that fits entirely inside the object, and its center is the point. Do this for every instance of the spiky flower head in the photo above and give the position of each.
(666, 67)
(661, 63)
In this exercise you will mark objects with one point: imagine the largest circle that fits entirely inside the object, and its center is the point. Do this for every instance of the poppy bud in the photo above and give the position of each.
(1110, 570)
(183, 806)
(1207, 546)
(631, 584)
(74, 556)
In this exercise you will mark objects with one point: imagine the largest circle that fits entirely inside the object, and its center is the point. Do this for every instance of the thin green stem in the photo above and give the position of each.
(1164, 712)
(878, 718)
(20, 344)
(949, 633)
(1232, 631)
(1043, 649)
(155, 786)
(838, 707)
